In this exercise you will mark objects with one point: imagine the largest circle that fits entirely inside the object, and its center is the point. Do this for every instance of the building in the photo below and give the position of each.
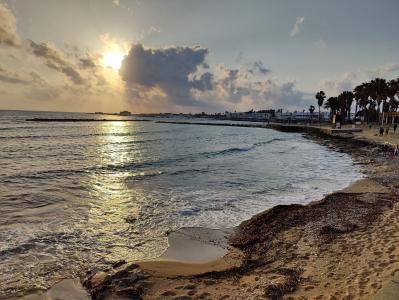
(248, 116)
(125, 113)
(298, 116)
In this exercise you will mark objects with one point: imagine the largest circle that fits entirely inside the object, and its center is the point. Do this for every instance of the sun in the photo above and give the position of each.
(113, 59)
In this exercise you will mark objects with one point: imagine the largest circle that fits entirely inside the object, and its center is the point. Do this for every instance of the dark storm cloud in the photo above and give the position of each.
(54, 60)
(203, 82)
(178, 72)
(168, 69)
(8, 32)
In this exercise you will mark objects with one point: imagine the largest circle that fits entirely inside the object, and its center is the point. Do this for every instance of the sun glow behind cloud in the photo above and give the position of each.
(113, 52)
(113, 59)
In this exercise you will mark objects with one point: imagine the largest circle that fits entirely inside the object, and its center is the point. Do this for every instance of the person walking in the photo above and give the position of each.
(394, 127)
(387, 130)
(381, 131)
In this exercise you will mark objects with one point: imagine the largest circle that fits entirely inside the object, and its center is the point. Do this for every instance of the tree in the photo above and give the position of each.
(311, 110)
(320, 96)
(332, 105)
(378, 91)
(361, 94)
(392, 92)
(345, 100)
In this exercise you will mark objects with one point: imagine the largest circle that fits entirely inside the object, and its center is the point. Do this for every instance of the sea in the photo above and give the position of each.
(82, 195)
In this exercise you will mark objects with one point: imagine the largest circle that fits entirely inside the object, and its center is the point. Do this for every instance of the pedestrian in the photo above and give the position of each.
(386, 130)
(384, 150)
(381, 131)
(394, 127)
(396, 152)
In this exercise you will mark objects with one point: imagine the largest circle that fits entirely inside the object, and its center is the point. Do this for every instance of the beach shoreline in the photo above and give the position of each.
(285, 263)
(290, 250)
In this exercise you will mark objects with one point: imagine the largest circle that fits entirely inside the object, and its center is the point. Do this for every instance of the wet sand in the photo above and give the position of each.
(67, 289)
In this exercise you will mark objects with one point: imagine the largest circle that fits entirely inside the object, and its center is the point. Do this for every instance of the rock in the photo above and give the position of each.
(118, 263)
(131, 293)
(129, 282)
(209, 282)
(189, 287)
(168, 293)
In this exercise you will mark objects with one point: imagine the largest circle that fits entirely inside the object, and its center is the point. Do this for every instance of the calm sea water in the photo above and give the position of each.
(79, 195)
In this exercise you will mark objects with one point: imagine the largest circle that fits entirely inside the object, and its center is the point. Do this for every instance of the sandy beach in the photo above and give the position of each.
(344, 246)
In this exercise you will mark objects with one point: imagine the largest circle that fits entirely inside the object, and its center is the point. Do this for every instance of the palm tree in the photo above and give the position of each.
(311, 110)
(378, 91)
(346, 100)
(361, 94)
(320, 96)
(392, 92)
(332, 105)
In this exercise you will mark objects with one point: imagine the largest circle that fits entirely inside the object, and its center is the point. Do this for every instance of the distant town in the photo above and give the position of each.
(270, 115)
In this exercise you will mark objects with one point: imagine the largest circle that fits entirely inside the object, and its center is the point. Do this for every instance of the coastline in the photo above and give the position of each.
(340, 246)
(313, 253)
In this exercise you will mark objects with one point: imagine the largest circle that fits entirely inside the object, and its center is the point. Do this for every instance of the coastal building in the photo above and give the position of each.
(248, 116)
(125, 113)
(301, 116)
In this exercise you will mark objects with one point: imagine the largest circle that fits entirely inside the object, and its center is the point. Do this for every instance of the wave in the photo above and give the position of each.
(269, 141)
(243, 149)
(141, 165)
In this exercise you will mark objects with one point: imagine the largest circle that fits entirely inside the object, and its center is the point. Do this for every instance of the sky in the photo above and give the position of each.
(190, 56)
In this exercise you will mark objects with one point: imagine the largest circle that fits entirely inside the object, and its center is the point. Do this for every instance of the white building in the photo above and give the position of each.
(301, 116)
(248, 116)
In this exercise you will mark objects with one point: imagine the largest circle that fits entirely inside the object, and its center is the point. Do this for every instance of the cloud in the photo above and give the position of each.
(258, 67)
(87, 63)
(54, 59)
(168, 70)
(346, 82)
(153, 29)
(297, 26)
(178, 77)
(12, 77)
(8, 31)
(245, 93)
(385, 70)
